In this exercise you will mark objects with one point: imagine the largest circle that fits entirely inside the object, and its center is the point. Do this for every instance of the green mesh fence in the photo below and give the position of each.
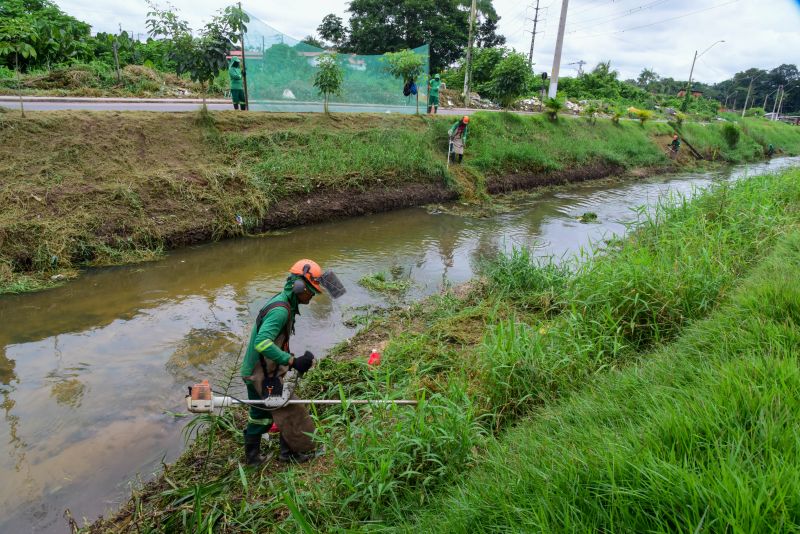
(281, 69)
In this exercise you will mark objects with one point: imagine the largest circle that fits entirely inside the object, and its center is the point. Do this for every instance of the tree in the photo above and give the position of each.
(200, 57)
(333, 30)
(329, 77)
(646, 77)
(377, 26)
(487, 36)
(511, 78)
(15, 39)
(407, 66)
(312, 41)
(53, 35)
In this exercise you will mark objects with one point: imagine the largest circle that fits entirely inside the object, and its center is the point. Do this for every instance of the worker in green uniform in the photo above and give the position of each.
(433, 93)
(674, 146)
(458, 139)
(268, 359)
(770, 151)
(237, 84)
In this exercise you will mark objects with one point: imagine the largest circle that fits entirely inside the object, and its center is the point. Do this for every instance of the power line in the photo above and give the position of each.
(593, 7)
(657, 22)
(610, 18)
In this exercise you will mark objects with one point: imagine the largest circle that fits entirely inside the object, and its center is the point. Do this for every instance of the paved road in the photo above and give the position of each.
(186, 105)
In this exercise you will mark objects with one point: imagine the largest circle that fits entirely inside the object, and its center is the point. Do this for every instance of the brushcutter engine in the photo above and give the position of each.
(201, 398)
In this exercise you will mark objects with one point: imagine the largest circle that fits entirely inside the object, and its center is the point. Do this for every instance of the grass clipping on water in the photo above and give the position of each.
(557, 371)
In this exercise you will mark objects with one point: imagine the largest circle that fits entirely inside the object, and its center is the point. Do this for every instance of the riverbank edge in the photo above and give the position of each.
(326, 206)
(96, 189)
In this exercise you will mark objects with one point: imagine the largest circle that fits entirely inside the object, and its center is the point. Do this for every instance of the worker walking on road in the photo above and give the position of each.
(433, 94)
(674, 146)
(458, 139)
(268, 359)
(237, 84)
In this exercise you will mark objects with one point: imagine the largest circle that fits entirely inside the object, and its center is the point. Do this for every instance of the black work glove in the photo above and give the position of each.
(303, 363)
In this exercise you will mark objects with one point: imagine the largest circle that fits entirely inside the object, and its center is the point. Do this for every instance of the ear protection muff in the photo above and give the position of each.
(299, 287)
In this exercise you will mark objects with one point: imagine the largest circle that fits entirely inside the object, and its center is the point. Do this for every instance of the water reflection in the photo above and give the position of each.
(88, 370)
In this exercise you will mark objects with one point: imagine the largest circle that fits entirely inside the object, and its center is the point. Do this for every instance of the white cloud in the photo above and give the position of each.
(756, 34)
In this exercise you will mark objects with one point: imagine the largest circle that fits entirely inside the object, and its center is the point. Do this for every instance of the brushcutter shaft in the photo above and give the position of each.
(209, 405)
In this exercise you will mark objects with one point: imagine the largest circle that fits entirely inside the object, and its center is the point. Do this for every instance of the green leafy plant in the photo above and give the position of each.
(644, 115)
(328, 78)
(406, 65)
(590, 112)
(511, 78)
(553, 106)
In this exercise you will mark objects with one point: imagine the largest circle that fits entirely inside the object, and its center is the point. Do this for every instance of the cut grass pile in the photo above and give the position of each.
(97, 188)
(571, 352)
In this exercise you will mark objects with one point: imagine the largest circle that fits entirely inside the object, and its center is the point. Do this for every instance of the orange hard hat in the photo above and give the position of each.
(310, 271)
(465, 119)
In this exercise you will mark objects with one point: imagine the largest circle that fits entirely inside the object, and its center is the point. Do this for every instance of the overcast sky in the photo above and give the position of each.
(633, 34)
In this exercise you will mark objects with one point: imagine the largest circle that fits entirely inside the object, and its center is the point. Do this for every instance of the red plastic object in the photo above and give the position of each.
(374, 358)
(274, 429)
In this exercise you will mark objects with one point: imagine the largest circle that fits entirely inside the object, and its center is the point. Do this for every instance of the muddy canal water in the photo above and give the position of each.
(92, 372)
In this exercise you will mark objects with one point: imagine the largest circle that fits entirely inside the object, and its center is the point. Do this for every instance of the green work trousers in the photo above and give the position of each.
(258, 419)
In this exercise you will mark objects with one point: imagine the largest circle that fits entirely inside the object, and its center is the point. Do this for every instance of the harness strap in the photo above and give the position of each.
(286, 332)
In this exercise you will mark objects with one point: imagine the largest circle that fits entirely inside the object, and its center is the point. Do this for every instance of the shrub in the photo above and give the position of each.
(731, 134)
(553, 106)
(644, 115)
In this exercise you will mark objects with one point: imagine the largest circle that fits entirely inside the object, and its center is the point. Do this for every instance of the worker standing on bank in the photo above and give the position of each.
(674, 146)
(433, 94)
(268, 359)
(237, 85)
(458, 138)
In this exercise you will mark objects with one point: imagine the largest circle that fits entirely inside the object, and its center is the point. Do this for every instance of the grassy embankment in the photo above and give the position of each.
(100, 80)
(649, 387)
(85, 189)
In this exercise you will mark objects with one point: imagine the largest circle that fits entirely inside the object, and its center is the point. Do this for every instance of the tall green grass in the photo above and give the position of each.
(701, 437)
(493, 370)
(503, 142)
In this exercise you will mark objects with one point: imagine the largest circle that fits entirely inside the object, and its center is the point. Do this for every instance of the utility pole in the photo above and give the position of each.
(533, 35)
(468, 72)
(775, 104)
(244, 67)
(557, 55)
(749, 88)
(780, 104)
(580, 63)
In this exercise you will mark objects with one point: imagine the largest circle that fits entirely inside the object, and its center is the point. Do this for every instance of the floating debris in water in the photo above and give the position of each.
(588, 217)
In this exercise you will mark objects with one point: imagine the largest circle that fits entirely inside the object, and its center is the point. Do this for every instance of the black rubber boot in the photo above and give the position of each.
(252, 450)
(287, 455)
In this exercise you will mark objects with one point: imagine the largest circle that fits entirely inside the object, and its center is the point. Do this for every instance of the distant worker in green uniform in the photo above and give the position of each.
(268, 359)
(770, 151)
(458, 139)
(237, 85)
(433, 93)
(674, 146)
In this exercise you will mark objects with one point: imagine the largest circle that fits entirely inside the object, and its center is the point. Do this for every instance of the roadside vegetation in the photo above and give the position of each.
(85, 189)
(632, 386)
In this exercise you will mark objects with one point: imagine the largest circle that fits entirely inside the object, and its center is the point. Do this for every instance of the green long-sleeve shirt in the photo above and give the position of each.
(235, 74)
(454, 129)
(262, 340)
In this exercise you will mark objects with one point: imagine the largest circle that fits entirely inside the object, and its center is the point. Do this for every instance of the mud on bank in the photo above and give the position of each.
(81, 189)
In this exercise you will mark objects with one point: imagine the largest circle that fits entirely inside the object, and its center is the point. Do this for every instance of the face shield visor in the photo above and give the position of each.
(332, 284)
